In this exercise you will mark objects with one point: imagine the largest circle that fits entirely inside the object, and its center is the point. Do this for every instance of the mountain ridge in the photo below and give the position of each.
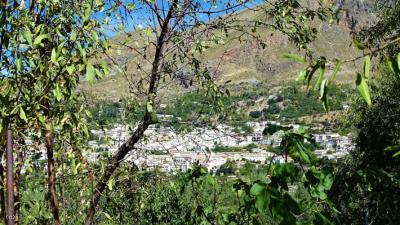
(238, 63)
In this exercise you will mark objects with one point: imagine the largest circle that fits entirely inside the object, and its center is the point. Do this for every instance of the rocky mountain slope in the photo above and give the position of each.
(246, 63)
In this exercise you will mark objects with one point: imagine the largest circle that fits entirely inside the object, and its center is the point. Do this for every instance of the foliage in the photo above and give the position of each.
(370, 174)
(104, 112)
(251, 146)
(241, 128)
(221, 148)
(271, 129)
(261, 194)
(255, 114)
(228, 168)
(46, 46)
(304, 103)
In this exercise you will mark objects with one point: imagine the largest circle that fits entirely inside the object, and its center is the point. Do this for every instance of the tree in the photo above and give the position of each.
(370, 174)
(271, 129)
(46, 45)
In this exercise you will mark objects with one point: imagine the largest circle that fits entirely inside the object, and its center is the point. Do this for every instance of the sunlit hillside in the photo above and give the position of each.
(245, 62)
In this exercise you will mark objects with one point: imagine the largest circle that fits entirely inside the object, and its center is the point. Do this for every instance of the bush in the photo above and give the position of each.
(222, 148)
(255, 114)
(271, 129)
(272, 109)
(251, 146)
(105, 112)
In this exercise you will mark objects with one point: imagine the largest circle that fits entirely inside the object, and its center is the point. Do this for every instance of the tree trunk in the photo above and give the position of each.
(20, 163)
(112, 166)
(124, 149)
(10, 179)
(52, 176)
(2, 193)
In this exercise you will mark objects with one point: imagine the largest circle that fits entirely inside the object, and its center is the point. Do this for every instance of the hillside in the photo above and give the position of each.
(246, 63)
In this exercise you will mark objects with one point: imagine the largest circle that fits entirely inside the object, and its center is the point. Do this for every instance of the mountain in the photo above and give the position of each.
(244, 64)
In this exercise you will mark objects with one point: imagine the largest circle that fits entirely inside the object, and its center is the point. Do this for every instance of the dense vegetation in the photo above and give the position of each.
(371, 174)
(306, 103)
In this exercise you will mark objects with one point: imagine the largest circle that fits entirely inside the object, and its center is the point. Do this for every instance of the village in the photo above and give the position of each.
(168, 151)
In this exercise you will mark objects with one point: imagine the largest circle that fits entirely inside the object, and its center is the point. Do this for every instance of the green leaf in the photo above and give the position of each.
(110, 184)
(28, 37)
(390, 64)
(324, 94)
(99, 3)
(363, 89)
(367, 62)
(107, 215)
(257, 189)
(54, 56)
(90, 73)
(398, 61)
(394, 148)
(18, 64)
(81, 50)
(104, 66)
(358, 44)
(22, 114)
(88, 13)
(148, 32)
(302, 75)
(99, 73)
(263, 201)
(304, 156)
(211, 180)
(263, 197)
(322, 195)
(57, 93)
(70, 69)
(310, 73)
(39, 39)
(42, 119)
(328, 181)
(95, 36)
(149, 107)
(130, 6)
(74, 168)
(321, 76)
(294, 57)
(85, 130)
(336, 69)
(73, 36)
(88, 114)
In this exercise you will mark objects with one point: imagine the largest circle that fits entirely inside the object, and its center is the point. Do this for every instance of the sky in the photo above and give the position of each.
(142, 16)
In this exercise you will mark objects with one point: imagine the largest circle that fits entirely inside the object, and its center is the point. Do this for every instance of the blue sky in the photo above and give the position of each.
(142, 17)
